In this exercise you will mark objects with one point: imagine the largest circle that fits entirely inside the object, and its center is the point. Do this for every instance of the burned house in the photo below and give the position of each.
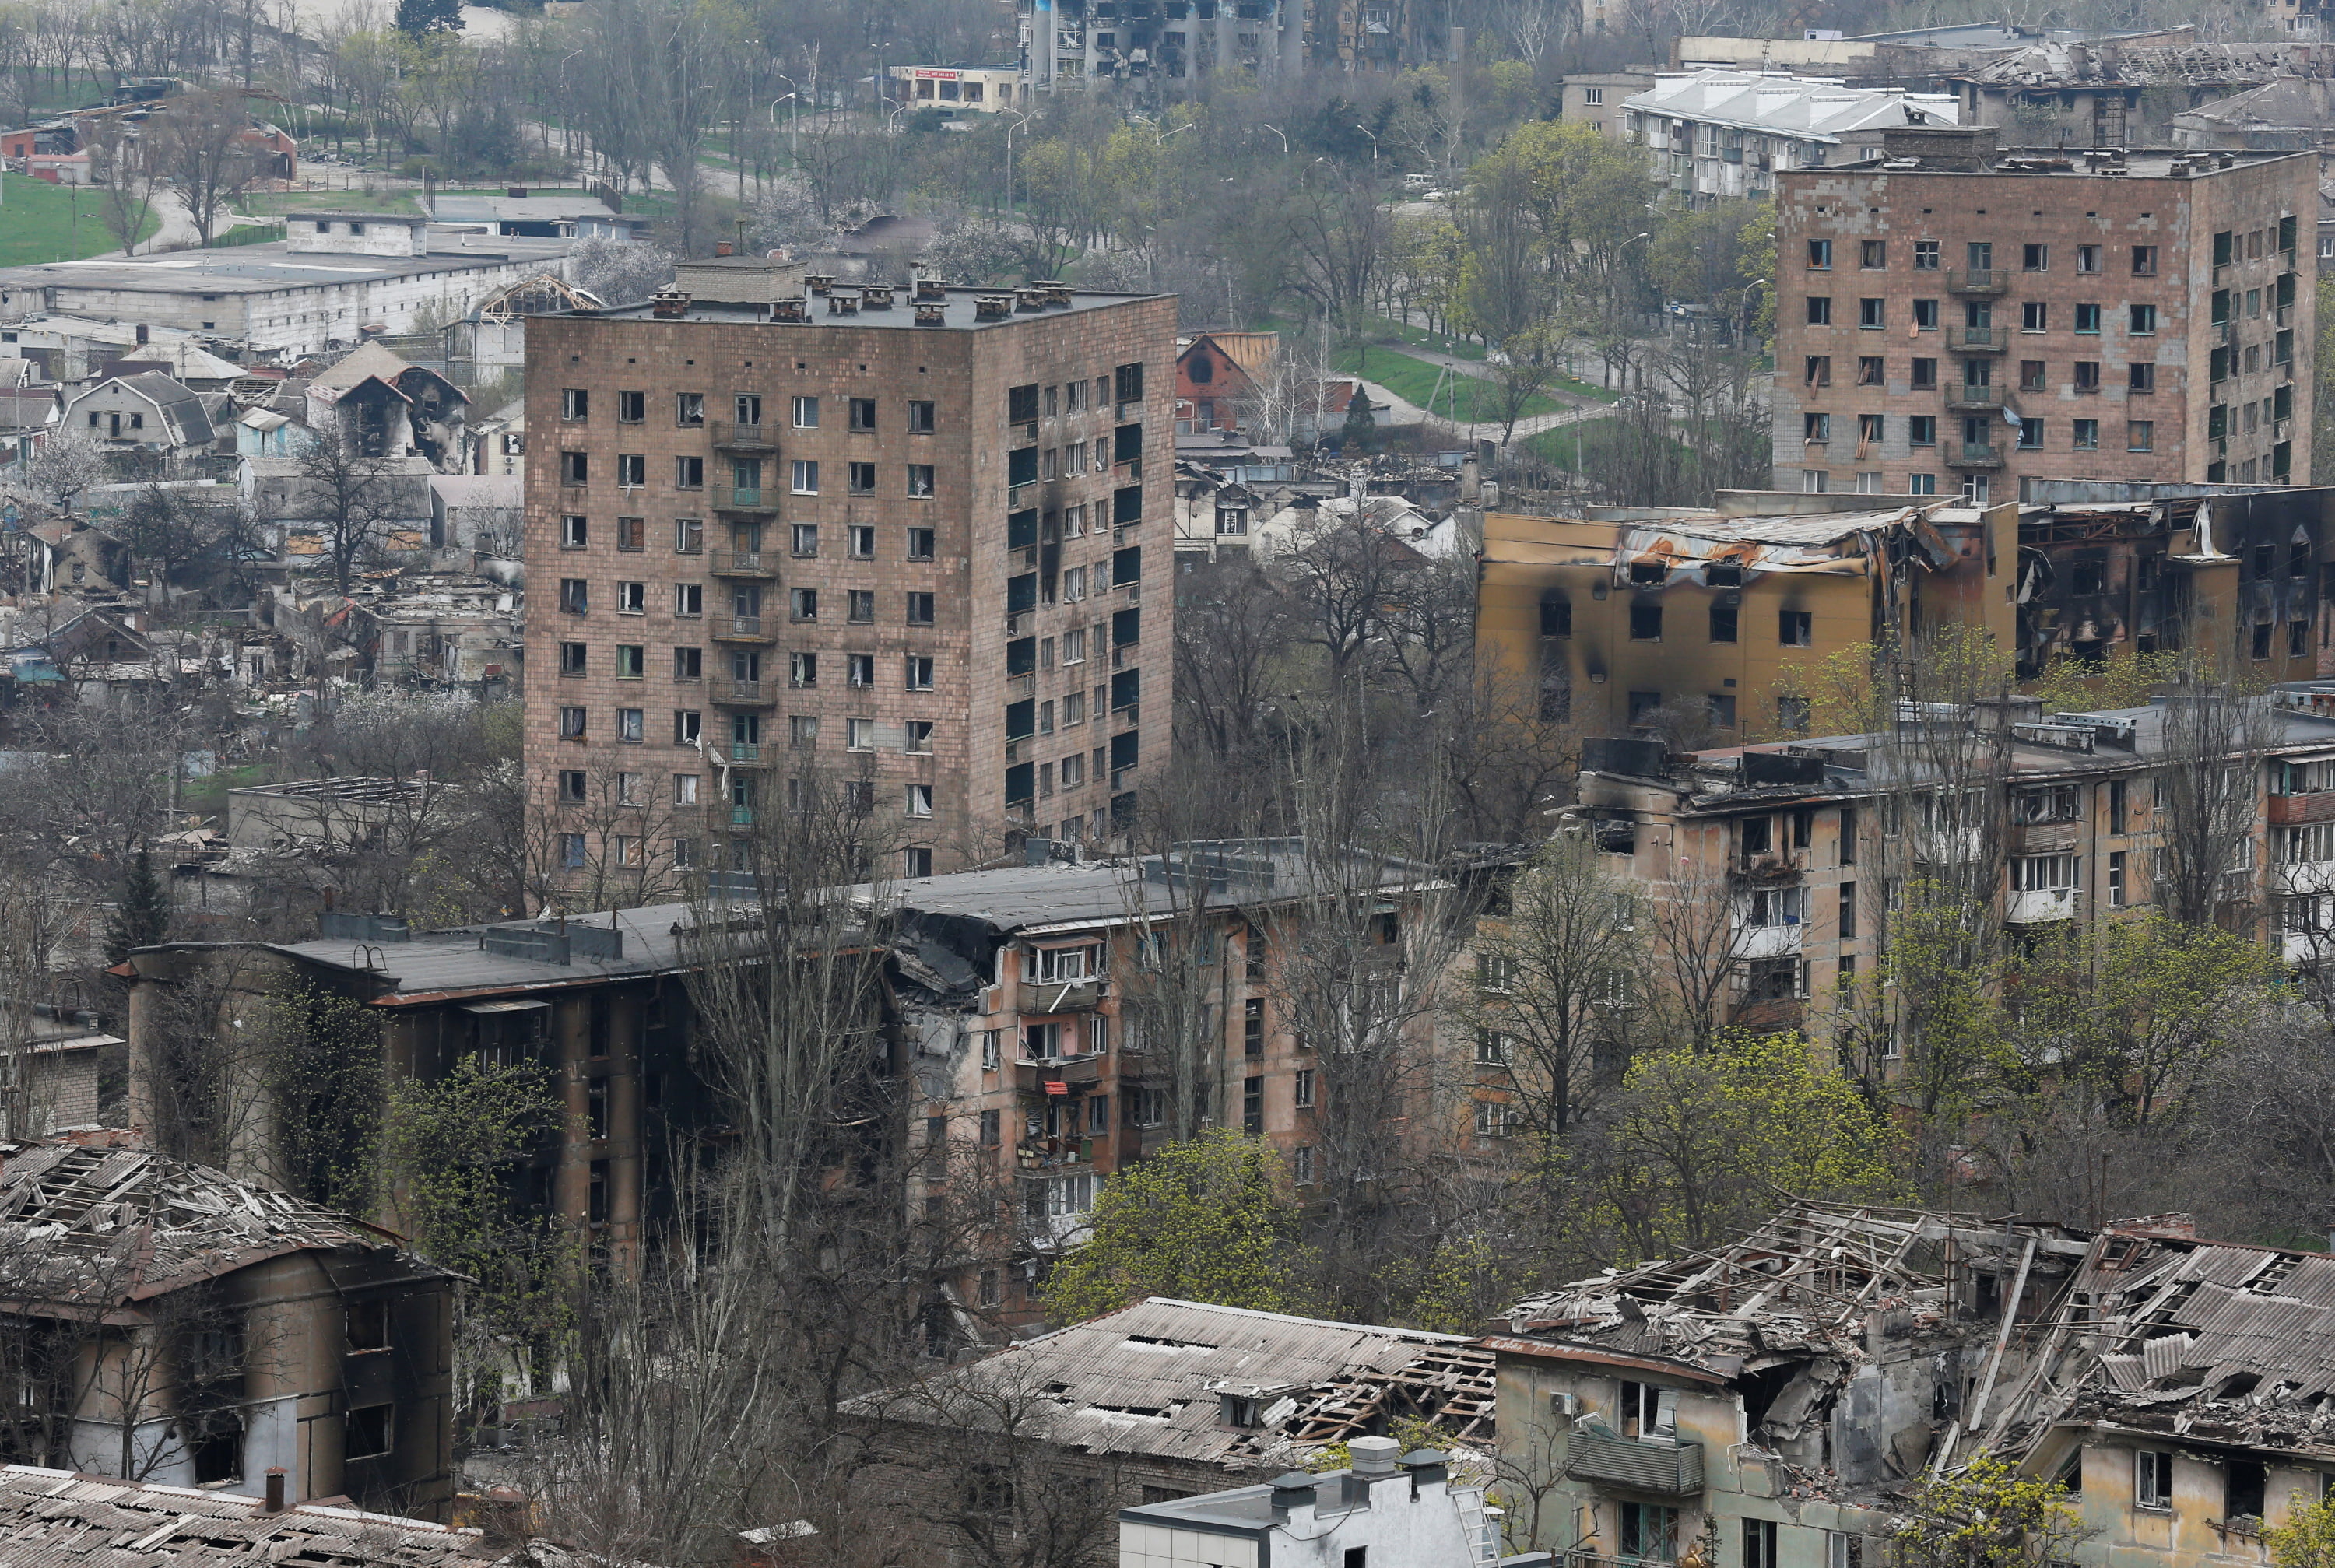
(2149, 568)
(1766, 1395)
(385, 408)
(1164, 1399)
(168, 1323)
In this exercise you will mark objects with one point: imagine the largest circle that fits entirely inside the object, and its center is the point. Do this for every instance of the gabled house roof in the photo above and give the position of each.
(184, 417)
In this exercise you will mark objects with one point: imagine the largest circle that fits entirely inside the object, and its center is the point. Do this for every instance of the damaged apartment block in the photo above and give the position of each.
(1785, 1382)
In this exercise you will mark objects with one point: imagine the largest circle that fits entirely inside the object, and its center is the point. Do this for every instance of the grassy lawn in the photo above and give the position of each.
(1401, 331)
(401, 203)
(1563, 447)
(210, 793)
(1463, 398)
(37, 223)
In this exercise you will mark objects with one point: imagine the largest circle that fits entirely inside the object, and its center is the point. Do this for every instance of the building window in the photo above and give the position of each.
(920, 800)
(571, 723)
(920, 479)
(2144, 261)
(1924, 375)
(806, 477)
(1649, 1530)
(1819, 306)
(629, 727)
(919, 742)
(2088, 375)
(805, 413)
(574, 533)
(920, 609)
(916, 861)
(1921, 484)
(688, 723)
(861, 606)
(2152, 1478)
(688, 410)
(1870, 370)
(1873, 254)
(1815, 429)
(2086, 435)
(1301, 1164)
(2144, 320)
(574, 404)
(1820, 255)
(2140, 436)
(920, 544)
(2088, 319)
(1646, 622)
(632, 598)
(631, 470)
(2030, 435)
(632, 662)
(1921, 430)
(863, 414)
(1760, 1534)
(632, 407)
(368, 1432)
(573, 658)
(859, 479)
(1872, 313)
(688, 535)
(919, 671)
(1593, 95)
(1925, 314)
(1796, 628)
(2142, 377)
(920, 417)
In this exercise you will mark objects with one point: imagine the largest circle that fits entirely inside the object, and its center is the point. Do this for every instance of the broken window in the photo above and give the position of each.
(1772, 980)
(1759, 1542)
(1649, 1530)
(2243, 1482)
(1648, 1408)
(2152, 1478)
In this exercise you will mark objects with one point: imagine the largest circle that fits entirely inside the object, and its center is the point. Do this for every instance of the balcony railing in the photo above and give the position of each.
(746, 694)
(1962, 395)
(741, 817)
(2041, 905)
(1974, 455)
(1674, 1470)
(745, 499)
(742, 563)
(1986, 281)
(747, 752)
(1978, 339)
(1041, 998)
(731, 436)
(742, 629)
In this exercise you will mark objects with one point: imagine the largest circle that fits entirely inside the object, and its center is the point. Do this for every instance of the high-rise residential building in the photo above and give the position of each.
(1949, 319)
(894, 539)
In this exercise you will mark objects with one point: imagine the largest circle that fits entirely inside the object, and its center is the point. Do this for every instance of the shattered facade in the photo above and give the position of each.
(1616, 613)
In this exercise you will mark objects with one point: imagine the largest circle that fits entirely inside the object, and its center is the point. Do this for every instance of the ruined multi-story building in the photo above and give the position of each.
(1949, 318)
(887, 539)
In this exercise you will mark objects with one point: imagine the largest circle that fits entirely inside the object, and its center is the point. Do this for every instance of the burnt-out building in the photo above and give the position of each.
(598, 1001)
(168, 1323)
(2229, 573)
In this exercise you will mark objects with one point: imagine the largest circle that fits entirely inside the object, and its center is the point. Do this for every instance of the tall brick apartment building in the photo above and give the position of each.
(872, 536)
(1953, 319)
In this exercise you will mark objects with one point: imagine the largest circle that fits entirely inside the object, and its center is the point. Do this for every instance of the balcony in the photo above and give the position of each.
(741, 817)
(2292, 877)
(745, 753)
(733, 436)
(1769, 940)
(2291, 810)
(744, 693)
(1674, 1470)
(1989, 282)
(2041, 906)
(2046, 837)
(742, 563)
(1973, 455)
(742, 499)
(1069, 1070)
(1978, 339)
(1976, 398)
(742, 629)
(1044, 998)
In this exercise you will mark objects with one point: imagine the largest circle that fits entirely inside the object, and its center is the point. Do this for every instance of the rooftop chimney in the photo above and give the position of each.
(1373, 1456)
(721, 247)
(274, 1503)
(1966, 148)
(668, 303)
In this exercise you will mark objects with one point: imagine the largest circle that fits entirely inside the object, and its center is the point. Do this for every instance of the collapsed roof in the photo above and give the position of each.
(57, 1519)
(1156, 1379)
(98, 1226)
(2213, 1341)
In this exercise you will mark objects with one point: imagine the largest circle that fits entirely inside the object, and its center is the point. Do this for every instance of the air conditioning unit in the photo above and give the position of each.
(1565, 1405)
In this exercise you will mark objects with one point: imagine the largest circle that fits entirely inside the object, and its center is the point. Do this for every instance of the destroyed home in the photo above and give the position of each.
(1218, 374)
(385, 408)
(180, 1327)
(1763, 1398)
(59, 1515)
(1620, 612)
(1056, 1010)
(1161, 1400)
(1397, 1509)
(599, 1000)
(2179, 1389)
(2058, 817)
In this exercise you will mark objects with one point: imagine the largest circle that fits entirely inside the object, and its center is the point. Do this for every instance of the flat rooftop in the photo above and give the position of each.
(275, 266)
(959, 311)
(2070, 163)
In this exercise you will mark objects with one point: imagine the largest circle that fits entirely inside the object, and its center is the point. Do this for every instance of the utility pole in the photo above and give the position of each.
(1457, 64)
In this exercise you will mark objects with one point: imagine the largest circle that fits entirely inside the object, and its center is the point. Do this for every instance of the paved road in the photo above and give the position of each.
(177, 230)
(1399, 411)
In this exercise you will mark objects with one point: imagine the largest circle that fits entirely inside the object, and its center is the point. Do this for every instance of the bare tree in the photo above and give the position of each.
(351, 498)
(64, 465)
(206, 145)
(2209, 790)
(118, 162)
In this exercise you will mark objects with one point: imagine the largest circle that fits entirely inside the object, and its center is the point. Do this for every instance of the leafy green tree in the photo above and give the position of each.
(2307, 1539)
(1357, 433)
(1698, 1146)
(1986, 1515)
(1208, 1220)
(142, 917)
(420, 16)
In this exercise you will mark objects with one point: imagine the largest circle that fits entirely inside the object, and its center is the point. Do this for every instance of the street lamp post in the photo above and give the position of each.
(1374, 147)
(1276, 131)
(1019, 121)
